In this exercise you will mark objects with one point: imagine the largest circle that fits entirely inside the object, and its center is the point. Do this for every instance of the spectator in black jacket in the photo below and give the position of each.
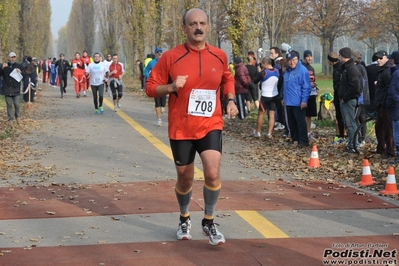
(336, 75)
(11, 87)
(253, 94)
(29, 81)
(348, 93)
(372, 74)
(383, 125)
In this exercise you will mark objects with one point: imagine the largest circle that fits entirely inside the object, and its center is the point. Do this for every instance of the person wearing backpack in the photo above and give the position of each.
(348, 93)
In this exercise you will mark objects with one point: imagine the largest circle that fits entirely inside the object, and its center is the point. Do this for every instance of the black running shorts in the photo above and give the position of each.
(184, 150)
(311, 109)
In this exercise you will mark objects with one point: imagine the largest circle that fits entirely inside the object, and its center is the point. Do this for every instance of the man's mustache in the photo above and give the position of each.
(198, 31)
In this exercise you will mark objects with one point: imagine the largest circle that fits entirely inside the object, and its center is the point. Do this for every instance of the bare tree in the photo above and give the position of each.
(327, 20)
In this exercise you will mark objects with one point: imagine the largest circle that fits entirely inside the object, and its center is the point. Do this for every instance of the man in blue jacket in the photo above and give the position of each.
(11, 86)
(296, 93)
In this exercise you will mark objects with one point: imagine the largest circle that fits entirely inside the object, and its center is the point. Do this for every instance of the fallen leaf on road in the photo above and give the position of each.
(50, 213)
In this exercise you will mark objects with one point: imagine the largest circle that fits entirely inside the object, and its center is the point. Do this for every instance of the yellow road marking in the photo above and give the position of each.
(150, 137)
(261, 224)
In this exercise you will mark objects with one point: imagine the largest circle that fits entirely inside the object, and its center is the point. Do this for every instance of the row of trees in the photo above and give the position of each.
(25, 28)
(134, 27)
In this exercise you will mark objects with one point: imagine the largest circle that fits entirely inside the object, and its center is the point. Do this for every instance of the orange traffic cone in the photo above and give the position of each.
(367, 179)
(390, 187)
(314, 158)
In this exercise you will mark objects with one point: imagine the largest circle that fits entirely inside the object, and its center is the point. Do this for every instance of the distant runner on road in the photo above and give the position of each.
(78, 67)
(116, 72)
(98, 72)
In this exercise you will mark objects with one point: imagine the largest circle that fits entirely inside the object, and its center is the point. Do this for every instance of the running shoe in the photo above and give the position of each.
(256, 134)
(269, 136)
(78, 95)
(101, 110)
(279, 126)
(159, 123)
(84, 93)
(183, 231)
(350, 150)
(96, 111)
(361, 144)
(115, 108)
(119, 104)
(210, 230)
(311, 136)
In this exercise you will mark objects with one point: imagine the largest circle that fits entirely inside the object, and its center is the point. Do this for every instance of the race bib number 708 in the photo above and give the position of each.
(202, 102)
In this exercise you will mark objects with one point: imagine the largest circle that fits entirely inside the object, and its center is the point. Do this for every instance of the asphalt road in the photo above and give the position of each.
(111, 200)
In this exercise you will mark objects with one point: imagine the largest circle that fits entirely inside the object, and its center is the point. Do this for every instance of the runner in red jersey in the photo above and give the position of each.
(116, 72)
(194, 75)
(87, 60)
(78, 67)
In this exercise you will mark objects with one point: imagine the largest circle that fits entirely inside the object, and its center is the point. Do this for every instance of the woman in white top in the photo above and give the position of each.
(268, 78)
(97, 72)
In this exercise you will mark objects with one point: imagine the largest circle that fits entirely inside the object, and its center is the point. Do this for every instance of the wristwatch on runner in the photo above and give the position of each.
(232, 100)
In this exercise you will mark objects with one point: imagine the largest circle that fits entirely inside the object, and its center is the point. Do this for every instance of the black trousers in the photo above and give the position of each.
(297, 123)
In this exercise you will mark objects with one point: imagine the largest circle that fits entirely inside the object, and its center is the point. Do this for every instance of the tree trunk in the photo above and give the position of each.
(326, 68)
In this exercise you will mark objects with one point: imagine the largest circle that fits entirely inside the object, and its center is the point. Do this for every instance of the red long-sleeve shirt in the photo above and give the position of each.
(207, 71)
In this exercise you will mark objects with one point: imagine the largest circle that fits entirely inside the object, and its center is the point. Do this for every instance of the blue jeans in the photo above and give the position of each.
(395, 125)
(348, 115)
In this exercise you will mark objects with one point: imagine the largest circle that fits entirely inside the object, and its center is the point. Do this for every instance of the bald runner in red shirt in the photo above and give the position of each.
(195, 75)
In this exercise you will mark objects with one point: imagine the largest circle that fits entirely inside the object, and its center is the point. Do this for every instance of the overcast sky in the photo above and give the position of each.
(60, 10)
